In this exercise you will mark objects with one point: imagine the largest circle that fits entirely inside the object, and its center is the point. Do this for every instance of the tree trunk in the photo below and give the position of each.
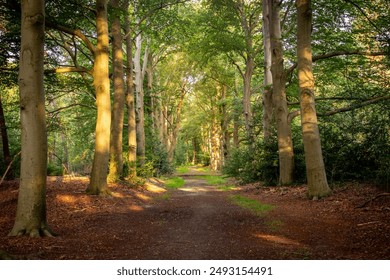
(4, 138)
(267, 92)
(140, 109)
(98, 182)
(315, 169)
(131, 122)
(31, 210)
(250, 64)
(175, 125)
(116, 145)
(224, 126)
(215, 146)
(285, 147)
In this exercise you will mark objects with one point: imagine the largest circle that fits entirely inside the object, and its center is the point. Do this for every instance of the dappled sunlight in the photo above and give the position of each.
(66, 198)
(136, 208)
(73, 199)
(277, 239)
(195, 189)
(143, 197)
(153, 187)
(117, 195)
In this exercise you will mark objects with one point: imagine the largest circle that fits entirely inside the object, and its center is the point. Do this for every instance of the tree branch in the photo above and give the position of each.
(75, 32)
(337, 53)
(69, 69)
(355, 106)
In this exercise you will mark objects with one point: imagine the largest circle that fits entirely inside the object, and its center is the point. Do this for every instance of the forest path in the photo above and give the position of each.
(200, 221)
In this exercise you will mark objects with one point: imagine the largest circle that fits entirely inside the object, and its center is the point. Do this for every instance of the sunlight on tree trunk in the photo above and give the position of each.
(139, 70)
(286, 152)
(31, 209)
(116, 150)
(98, 183)
(131, 122)
(315, 169)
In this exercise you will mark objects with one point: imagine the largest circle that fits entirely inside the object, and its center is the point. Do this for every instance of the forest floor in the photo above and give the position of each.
(202, 221)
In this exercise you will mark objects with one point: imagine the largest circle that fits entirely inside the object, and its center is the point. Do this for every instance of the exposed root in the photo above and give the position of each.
(34, 232)
(372, 199)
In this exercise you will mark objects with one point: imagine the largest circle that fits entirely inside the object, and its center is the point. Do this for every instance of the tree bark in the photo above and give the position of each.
(31, 209)
(175, 124)
(249, 68)
(267, 91)
(285, 147)
(130, 104)
(215, 146)
(98, 182)
(116, 145)
(140, 109)
(315, 169)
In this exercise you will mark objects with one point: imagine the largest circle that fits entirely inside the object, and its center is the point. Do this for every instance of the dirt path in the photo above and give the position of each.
(201, 221)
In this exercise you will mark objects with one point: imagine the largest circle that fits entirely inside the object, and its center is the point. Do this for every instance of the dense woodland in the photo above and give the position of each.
(278, 91)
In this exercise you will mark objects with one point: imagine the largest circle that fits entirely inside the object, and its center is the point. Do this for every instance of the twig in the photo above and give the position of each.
(9, 166)
(368, 223)
(372, 199)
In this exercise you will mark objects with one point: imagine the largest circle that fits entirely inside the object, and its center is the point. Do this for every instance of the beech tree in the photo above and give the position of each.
(285, 146)
(130, 100)
(98, 183)
(116, 145)
(315, 169)
(31, 210)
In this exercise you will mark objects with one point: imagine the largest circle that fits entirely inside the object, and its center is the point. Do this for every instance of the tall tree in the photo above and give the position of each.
(31, 209)
(139, 69)
(285, 146)
(267, 91)
(315, 169)
(116, 145)
(130, 101)
(98, 183)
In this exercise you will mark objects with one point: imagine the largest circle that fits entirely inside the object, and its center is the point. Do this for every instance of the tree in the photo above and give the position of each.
(31, 209)
(130, 104)
(98, 183)
(285, 146)
(315, 169)
(267, 91)
(139, 69)
(116, 145)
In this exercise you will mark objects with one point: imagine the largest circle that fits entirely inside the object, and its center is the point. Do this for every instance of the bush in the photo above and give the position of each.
(54, 170)
(251, 163)
(357, 148)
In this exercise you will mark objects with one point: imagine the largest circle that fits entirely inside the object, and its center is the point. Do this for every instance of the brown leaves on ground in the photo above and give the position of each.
(201, 223)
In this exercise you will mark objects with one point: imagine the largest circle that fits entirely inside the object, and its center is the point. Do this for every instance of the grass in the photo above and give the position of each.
(182, 169)
(174, 183)
(213, 179)
(251, 204)
(203, 169)
(226, 188)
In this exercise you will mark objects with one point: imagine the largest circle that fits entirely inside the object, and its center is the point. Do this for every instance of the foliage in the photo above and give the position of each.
(256, 162)
(357, 145)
